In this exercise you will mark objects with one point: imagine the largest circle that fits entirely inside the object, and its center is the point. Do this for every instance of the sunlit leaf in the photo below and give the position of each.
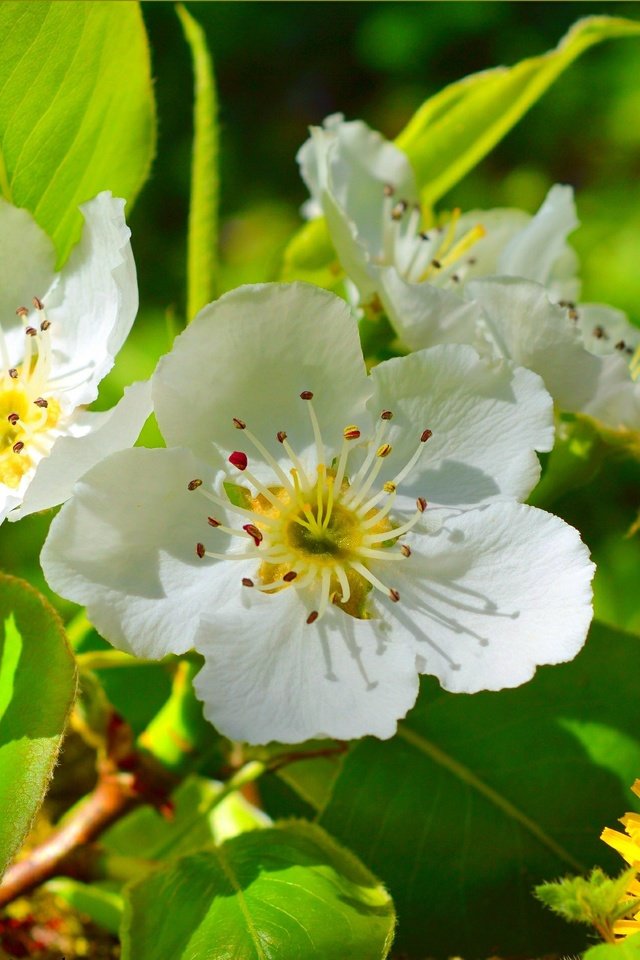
(279, 894)
(76, 108)
(37, 686)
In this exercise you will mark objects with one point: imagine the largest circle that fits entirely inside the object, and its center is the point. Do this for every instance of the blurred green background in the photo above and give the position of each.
(282, 66)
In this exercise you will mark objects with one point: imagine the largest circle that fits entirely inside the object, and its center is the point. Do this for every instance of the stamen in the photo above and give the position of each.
(194, 484)
(247, 582)
(313, 616)
(239, 424)
(41, 402)
(13, 418)
(17, 447)
(254, 533)
(238, 459)
(200, 551)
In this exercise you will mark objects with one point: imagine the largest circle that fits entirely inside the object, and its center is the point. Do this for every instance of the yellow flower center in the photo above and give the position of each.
(319, 533)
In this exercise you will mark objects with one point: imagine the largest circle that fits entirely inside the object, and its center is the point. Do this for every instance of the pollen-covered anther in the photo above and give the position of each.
(386, 415)
(290, 577)
(425, 435)
(238, 459)
(44, 326)
(247, 582)
(351, 432)
(436, 264)
(13, 373)
(13, 418)
(389, 487)
(394, 595)
(239, 424)
(194, 484)
(421, 504)
(399, 210)
(388, 190)
(38, 304)
(31, 331)
(281, 436)
(200, 551)
(405, 550)
(306, 395)
(620, 345)
(41, 402)
(22, 312)
(384, 450)
(255, 534)
(313, 616)
(17, 447)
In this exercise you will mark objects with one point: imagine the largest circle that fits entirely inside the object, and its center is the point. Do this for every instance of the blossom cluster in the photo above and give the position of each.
(323, 534)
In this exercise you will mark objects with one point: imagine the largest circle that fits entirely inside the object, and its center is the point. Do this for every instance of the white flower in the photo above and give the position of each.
(54, 353)
(366, 189)
(424, 278)
(286, 535)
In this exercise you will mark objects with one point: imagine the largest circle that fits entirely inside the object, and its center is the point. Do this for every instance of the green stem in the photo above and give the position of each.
(78, 628)
(202, 242)
(178, 733)
(106, 659)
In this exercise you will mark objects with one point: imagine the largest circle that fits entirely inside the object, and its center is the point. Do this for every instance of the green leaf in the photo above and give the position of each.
(77, 113)
(628, 949)
(37, 686)
(482, 797)
(102, 902)
(202, 252)
(457, 127)
(279, 894)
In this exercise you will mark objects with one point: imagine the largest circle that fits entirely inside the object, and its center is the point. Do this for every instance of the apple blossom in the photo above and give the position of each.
(54, 353)
(320, 535)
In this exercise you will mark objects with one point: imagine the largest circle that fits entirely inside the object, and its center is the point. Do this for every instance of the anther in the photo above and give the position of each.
(351, 432)
(620, 345)
(13, 373)
(389, 487)
(306, 395)
(386, 415)
(384, 450)
(394, 595)
(572, 313)
(31, 331)
(281, 436)
(399, 209)
(41, 402)
(313, 616)
(254, 533)
(45, 325)
(455, 278)
(239, 424)
(421, 504)
(425, 435)
(17, 447)
(239, 459)
(13, 418)
(436, 264)
(247, 582)
(22, 312)
(388, 190)
(213, 522)
(599, 333)
(405, 550)
(194, 484)
(200, 550)
(288, 577)
(38, 304)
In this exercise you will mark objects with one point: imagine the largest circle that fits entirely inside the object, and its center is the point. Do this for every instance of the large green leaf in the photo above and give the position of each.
(37, 686)
(456, 128)
(76, 108)
(285, 893)
(628, 949)
(481, 797)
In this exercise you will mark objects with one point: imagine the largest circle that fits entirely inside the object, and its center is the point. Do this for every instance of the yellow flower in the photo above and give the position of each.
(628, 846)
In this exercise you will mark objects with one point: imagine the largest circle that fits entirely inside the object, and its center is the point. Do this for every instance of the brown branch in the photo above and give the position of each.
(284, 759)
(126, 779)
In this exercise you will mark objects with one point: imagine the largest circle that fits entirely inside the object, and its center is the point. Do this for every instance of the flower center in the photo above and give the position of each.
(418, 255)
(28, 414)
(319, 533)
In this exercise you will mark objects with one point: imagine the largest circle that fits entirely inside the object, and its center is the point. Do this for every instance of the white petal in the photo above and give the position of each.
(501, 225)
(27, 260)
(97, 435)
(250, 355)
(269, 675)
(536, 249)
(124, 546)
(526, 327)
(499, 591)
(487, 420)
(616, 401)
(423, 314)
(602, 327)
(94, 300)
